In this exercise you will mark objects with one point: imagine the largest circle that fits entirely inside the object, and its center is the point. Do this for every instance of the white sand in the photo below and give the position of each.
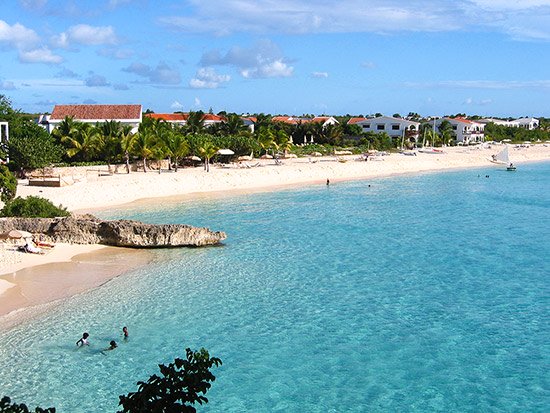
(97, 192)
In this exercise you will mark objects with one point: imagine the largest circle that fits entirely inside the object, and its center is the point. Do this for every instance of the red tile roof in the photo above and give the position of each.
(355, 120)
(96, 112)
(174, 117)
(459, 119)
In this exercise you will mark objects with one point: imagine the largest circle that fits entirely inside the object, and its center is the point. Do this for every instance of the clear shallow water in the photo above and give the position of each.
(419, 293)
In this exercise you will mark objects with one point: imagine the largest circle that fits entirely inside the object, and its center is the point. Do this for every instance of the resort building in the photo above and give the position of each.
(527, 123)
(181, 118)
(291, 120)
(465, 131)
(125, 114)
(394, 127)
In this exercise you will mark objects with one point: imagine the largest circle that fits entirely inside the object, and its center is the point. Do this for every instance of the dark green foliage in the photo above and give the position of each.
(500, 132)
(7, 407)
(182, 384)
(33, 207)
(31, 147)
(8, 184)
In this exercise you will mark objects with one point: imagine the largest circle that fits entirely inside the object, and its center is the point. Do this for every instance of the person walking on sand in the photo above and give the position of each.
(125, 332)
(83, 340)
(328, 182)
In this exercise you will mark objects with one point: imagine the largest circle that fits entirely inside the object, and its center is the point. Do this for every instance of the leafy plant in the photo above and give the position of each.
(6, 406)
(32, 207)
(8, 184)
(182, 384)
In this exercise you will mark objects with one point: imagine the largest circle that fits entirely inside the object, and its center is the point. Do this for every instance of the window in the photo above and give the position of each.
(381, 126)
(394, 127)
(454, 127)
(366, 126)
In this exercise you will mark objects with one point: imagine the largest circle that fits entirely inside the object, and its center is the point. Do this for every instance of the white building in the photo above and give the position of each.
(125, 114)
(394, 127)
(527, 123)
(465, 131)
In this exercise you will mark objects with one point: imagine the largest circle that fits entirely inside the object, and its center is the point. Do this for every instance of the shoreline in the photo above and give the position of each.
(104, 192)
(120, 190)
(34, 286)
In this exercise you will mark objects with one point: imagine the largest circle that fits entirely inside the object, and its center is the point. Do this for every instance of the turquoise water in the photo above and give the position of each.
(414, 294)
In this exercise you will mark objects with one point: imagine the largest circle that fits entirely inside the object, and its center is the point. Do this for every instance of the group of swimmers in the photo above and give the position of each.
(83, 341)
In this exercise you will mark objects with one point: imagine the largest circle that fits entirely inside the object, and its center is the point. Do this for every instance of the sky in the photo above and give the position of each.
(358, 57)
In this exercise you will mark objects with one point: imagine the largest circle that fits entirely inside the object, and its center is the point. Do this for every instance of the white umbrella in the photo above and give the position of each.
(194, 158)
(266, 156)
(225, 152)
(16, 234)
(317, 154)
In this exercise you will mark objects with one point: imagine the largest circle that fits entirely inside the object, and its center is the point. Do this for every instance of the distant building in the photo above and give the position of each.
(394, 127)
(528, 123)
(125, 114)
(292, 120)
(465, 131)
(181, 118)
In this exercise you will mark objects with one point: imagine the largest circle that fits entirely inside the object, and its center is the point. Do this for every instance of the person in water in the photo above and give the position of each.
(125, 332)
(83, 340)
(112, 345)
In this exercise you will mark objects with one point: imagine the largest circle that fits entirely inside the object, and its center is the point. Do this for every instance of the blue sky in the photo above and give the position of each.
(434, 57)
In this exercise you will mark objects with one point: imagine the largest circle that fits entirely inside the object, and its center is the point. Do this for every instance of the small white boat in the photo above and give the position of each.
(503, 158)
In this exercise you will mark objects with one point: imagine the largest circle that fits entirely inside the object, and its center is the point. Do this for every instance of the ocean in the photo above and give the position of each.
(416, 293)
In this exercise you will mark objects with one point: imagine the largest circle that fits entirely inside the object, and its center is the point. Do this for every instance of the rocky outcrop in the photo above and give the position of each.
(122, 233)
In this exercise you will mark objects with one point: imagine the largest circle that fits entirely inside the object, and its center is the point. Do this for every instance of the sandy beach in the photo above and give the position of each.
(95, 191)
(39, 286)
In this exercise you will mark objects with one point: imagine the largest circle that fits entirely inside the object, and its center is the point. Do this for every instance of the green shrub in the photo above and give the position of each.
(8, 184)
(33, 207)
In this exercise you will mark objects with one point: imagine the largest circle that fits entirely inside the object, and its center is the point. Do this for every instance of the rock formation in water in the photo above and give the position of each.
(88, 229)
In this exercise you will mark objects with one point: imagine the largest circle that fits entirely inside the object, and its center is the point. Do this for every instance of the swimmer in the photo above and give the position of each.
(125, 333)
(112, 346)
(83, 341)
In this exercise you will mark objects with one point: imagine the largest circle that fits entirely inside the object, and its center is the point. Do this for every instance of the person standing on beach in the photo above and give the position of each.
(328, 182)
(83, 340)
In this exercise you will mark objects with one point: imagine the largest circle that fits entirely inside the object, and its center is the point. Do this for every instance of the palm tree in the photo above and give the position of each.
(108, 140)
(266, 139)
(127, 139)
(144, 142)
(282, 141)
(81, 140)
(195, 122)
(208, 150)
(233, 125)
(176, 145)
(66, 128)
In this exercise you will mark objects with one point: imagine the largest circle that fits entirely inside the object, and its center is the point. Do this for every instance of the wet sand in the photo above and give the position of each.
(36, 289)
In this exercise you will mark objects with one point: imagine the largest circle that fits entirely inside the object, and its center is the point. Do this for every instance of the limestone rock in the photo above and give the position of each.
(123, 233)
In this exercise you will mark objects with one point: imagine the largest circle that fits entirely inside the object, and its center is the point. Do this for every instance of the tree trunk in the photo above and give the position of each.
(127, 159)
(144, 165)
(176, 164)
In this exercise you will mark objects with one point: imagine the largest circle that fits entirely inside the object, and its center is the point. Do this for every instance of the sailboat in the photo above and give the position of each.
(502, 158)
(431, 149)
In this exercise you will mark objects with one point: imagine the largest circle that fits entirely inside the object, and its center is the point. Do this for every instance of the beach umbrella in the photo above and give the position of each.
(244, 158)
(225, 152)
(317, 154)
(194, 158)
(266, 156)
(16, 234)
(291, 155)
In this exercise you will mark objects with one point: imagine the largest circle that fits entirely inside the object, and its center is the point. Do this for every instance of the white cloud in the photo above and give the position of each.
(7, 85)
(197, 102)
(17, 35)
(483, 84)
(86, 35)
(262, 60)
(177, 106)
(42, 55)
(368, 65)
(362, 16)
(320, 75)
(207, 78)
(162, 74)
(95, 80)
